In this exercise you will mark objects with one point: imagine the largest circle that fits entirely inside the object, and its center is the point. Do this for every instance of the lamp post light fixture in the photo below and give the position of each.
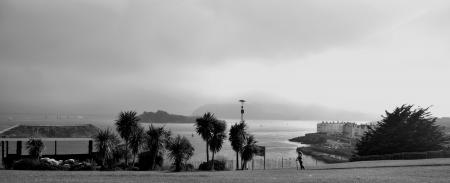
(242, 109)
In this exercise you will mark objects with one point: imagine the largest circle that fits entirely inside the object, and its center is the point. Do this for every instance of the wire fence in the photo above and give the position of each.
(259, 164)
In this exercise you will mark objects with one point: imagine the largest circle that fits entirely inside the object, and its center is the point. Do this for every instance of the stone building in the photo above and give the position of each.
(331, 127)
(353, 130)
(348, 129)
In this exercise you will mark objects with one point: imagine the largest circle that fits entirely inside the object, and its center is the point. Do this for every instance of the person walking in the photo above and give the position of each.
(299, 159)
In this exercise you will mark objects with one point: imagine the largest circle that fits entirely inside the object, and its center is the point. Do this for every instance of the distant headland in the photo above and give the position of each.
(161, 116)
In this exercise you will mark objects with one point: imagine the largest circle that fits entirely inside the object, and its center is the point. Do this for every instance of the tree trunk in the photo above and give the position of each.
(212, 161)
(126, 152)
(243, 164)
(134, 158)
(155, 154)
(104, 162)
(207, 151)
(178, 166)
(237, 160)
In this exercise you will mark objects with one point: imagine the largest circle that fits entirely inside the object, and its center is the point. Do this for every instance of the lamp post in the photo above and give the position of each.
(242, 109)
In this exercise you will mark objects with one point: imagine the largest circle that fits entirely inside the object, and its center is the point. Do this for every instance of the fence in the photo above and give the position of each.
(258, 164)
(405, 155)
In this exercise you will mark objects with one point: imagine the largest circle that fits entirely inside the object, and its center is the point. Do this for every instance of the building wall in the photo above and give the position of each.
(351, 130)
(330, 127)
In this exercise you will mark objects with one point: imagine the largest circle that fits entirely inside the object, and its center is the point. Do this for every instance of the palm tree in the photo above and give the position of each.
(217, 138)
(136, 141)
(105, 143)
(248, 150)
(125, 124)
(237, 138)
(157, 137)
(203, 127)
(35, 147)
(180, 150)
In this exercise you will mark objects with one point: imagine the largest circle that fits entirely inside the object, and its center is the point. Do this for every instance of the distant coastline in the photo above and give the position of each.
(161, 116)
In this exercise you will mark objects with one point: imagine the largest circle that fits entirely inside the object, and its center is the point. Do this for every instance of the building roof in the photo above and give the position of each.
(50, 132)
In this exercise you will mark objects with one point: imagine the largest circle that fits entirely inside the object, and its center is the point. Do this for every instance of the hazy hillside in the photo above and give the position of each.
(282, 112)
(164, 117)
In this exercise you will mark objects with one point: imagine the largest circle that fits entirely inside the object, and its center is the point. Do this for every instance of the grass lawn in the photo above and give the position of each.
(398, 171)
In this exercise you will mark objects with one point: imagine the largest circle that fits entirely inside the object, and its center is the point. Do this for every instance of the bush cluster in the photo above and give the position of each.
(218, 165)
(145, 161)
(51, 164)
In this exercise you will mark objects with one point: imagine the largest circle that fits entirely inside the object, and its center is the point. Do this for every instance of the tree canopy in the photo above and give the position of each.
(180, 150)
(203, 127)
(237, 136)
(248, 150)
(35, 147)
(125, 124)
(217, 138)
(105, 142)
(403, 130)
(157, 138)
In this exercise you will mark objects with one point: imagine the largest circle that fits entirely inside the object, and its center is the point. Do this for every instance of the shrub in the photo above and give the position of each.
(218, 165)
(188, 167)
(26, 164)
(45, 165)
(145, 161)
(51, 164)
(83, 166)
(122, 166)
(33, 164)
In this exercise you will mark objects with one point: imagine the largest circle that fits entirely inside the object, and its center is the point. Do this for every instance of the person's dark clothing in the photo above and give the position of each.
(300, 161)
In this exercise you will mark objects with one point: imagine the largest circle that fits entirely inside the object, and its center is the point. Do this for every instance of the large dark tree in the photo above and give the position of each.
(157, 138)
(248, 151)
(136, 141)
(203, 127)
(180, 151)
(237, 138)
(403, 130)
(217, 138)
(127, 121)
(105, 142)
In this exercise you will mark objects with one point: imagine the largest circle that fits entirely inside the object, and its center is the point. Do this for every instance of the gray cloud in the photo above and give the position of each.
(73, 34)
(74, 55)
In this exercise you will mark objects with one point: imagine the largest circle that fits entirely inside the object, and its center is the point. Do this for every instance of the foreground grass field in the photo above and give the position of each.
(435, 170)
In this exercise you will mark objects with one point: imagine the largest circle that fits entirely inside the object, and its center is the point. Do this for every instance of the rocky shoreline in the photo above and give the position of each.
(327, 148)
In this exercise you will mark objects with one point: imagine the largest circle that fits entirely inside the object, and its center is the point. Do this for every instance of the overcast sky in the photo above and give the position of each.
(103, 56)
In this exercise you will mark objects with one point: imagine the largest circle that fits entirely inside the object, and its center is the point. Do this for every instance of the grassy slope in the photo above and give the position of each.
(435, 170)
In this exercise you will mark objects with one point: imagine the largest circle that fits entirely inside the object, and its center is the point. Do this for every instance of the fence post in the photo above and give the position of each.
(56, 148)
(19, 148)
(253, 164)
(264, 160)
(282, 162)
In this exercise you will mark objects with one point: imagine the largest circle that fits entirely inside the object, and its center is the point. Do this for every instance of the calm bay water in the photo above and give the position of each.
(273, 134)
